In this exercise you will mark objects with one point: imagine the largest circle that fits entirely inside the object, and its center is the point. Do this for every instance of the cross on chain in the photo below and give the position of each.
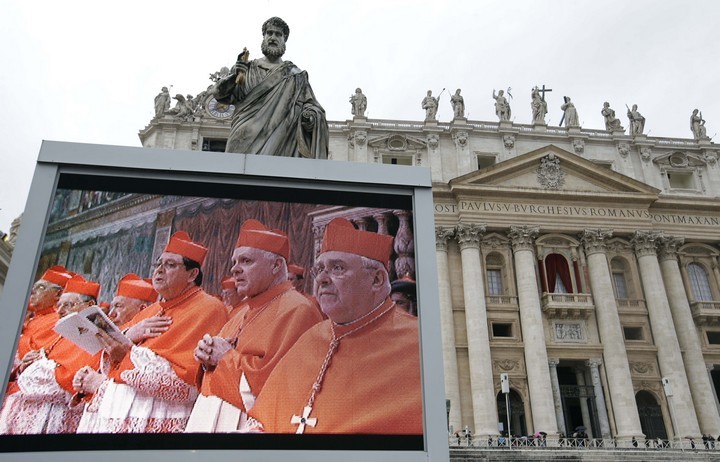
(303, 420)
(543, 90)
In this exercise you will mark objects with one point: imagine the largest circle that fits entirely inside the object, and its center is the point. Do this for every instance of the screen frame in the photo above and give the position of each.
(56, 158)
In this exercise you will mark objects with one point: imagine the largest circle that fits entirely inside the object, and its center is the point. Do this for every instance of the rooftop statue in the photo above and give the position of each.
(458, 105)
(162, 102)
(697, 125)
(502, 107)
(276, 112)
(538, 105)
(611, 122)
(430, 104)
(358, 103)
(637, 121)
(570, 115)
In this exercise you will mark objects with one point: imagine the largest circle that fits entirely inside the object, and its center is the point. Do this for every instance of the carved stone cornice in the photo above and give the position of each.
(593, 363)
(442, 234)
(523, 237)
(645, 242)
(668, 247)
(469, 235)
(595, 240)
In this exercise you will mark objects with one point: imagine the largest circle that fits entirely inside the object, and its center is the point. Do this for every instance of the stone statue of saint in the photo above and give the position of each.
(570, 115)
(182, 109)
(637, 121)
(458, 105)
(611, 122)
(538, 105)
(697, 125)
(430, 104)
(358, 103)
(276, 112)
(502, 107)
(162, 102)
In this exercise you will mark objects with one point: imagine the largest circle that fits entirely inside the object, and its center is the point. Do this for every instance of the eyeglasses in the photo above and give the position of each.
(167, 264)
(335, 269)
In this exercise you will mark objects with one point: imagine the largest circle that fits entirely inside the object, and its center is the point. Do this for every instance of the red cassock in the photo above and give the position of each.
(371, 386)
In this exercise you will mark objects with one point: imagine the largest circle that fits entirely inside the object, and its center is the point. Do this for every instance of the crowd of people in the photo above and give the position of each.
(261, 356)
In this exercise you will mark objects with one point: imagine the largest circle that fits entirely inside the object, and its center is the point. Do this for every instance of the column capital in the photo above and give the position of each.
(645, 242)
(468, 235)
(442, 234)
(593, 363)
(523, 237)
(595, 240)
(553, 362)
(668, 247)
(710, 367)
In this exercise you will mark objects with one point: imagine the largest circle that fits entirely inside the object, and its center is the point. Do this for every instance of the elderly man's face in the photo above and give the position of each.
(171, 278)
(402, 301)
(343, 286)
(123, 309)
(253, 269)
(43, 295)
(273, 44)
(71, 302)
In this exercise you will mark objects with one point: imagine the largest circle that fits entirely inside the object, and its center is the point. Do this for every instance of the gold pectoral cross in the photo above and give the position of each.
(303, 420)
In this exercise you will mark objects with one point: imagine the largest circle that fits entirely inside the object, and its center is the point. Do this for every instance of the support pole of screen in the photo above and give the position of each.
(505, 387)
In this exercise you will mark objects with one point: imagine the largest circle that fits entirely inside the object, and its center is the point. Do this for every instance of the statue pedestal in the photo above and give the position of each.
(360, 120)
(505, 124)
(540, 127)
(459, 122)
(704, 142)
(617, 133)
(640, 138)
(574, 130)
(431, 122)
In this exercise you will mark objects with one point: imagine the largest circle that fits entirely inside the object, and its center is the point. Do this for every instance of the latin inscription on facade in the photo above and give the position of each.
(574, 211)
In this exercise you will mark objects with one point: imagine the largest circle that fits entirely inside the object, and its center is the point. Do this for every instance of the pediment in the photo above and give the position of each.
(397, 142)
(551, 171)
(680, 159)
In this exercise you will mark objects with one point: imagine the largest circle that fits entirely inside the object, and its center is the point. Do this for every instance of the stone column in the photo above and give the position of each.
(594, 366)
(531, 321)
(584, 410)
(557, 398)
(617, 367)
(481, 376)
(700, 387)
(452, 385)
(710, 368)
(661, 322)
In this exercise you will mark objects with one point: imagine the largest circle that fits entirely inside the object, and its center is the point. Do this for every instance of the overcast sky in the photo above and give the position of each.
(87, 71)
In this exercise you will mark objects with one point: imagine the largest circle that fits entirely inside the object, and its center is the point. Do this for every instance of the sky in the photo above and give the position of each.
(88, 71)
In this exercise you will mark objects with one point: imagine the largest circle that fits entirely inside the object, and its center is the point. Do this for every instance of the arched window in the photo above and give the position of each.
(699, 282)
(558, 274)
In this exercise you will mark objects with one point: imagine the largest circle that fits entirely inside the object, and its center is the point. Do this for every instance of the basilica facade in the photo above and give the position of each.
(583, 264)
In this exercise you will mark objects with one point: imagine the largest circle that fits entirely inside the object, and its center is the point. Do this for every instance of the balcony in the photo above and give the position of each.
(706, 313)
(502, 301)
(567, 306)
(630, 304)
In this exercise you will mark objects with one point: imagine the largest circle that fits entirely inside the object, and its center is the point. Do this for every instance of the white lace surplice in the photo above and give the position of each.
(41, 405)
(153, 399)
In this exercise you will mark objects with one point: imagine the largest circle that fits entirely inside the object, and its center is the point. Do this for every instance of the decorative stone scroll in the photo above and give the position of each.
(569, 332)
(468, 235)
(523, 237)
(506, 365)
(442, 235)
(645, 242)
(595, 240)
(668, 247)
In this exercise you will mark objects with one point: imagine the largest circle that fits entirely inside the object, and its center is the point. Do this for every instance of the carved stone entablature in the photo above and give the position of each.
(433, 141)
(509, 141)
(460, 138)
(618, 246)
(623, 149)
(680, 159)
(494, 242)
(442, 235)
(397, 143)
(506, 365)
(595, 240)
(523, 237)
(468, 235)
(549, 173)
(642, 367)
(645, 153)
(569, 332)
(645, 242)
(668, 247)
(578, 146)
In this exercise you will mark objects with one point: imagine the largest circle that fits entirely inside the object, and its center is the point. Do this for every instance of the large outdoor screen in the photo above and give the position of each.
(300, 365)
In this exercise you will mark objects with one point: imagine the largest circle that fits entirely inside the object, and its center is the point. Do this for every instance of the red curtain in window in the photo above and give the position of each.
(557, 267)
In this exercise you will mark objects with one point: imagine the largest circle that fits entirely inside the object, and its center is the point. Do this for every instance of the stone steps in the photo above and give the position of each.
(584, 455)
